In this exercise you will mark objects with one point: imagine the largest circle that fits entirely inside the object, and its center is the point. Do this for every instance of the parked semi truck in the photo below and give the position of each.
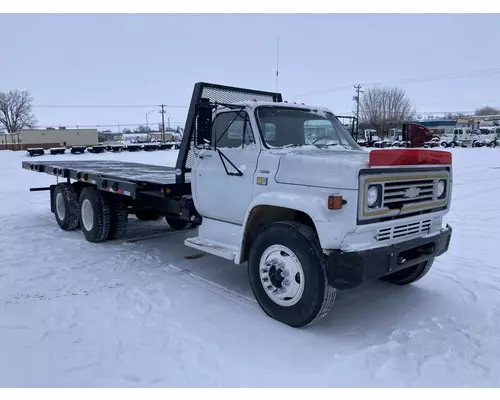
(309, 216)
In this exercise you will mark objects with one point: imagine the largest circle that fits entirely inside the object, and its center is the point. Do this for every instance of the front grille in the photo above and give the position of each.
(405, 193)
(408, 192)
(399, 231)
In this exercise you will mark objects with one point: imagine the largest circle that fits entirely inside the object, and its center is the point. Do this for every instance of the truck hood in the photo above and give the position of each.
(327, 168)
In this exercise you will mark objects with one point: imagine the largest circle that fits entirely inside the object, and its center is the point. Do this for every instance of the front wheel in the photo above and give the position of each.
(147, 215)
(177, 224)
(409, 275)
(287, 272)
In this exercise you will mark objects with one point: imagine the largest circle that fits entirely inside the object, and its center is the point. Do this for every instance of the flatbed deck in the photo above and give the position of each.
(114, 170)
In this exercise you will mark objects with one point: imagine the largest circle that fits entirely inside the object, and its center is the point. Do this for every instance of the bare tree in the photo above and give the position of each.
(16, 110)
(142, 129)
(487, 110)
(385, 108)
(456, 116)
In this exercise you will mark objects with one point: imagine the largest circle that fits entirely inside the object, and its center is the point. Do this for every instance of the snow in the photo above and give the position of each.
(149, 311)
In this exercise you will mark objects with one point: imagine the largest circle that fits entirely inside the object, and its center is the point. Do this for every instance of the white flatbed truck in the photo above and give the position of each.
(281, 187)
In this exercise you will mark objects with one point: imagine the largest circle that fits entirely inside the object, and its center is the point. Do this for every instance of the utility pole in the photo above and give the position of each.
(277, 63)
(162, 122)
(356, 98)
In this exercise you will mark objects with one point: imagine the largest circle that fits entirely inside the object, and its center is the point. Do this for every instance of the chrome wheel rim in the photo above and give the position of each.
(87, 214)
(281, 275)
(60, 206)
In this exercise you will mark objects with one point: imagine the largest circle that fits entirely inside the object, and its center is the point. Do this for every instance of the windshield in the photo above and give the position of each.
(290, 127)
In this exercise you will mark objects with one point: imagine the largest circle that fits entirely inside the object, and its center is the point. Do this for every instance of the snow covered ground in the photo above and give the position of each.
(148, 311)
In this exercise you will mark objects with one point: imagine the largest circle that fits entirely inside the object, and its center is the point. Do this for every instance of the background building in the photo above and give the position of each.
(108, 136)
(48, 138)
(442, 126)
(439, 126)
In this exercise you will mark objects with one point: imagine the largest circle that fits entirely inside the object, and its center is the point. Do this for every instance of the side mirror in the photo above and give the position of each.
(204, 125)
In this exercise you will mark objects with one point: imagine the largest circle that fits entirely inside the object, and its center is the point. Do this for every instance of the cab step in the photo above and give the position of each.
(211, 247)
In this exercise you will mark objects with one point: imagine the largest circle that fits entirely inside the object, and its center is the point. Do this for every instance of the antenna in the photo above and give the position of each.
(277, 63)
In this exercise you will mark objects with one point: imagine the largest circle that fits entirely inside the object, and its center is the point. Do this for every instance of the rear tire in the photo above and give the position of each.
(177, 224)
(409, 275)
(94, 214)
(287, 256)
(66, 206)
(118, 214)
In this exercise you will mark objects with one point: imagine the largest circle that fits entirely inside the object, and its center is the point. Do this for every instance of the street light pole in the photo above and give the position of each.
(147, 124)
(118, 123)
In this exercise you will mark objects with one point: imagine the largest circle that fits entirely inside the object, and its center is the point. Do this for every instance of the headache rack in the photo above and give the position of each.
(205, 97)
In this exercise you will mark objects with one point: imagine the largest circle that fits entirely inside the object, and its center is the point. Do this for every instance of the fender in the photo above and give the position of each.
(331, 225)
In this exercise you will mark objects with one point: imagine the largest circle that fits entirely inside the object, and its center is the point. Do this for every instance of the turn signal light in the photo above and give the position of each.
(335, 202)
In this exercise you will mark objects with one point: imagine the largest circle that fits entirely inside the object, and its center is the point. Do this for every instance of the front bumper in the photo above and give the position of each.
(347, 270)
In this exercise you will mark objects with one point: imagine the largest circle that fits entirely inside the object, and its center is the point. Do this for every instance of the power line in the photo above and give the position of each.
(102, 106)
(409, 80)
(419, 112)
(179, 123)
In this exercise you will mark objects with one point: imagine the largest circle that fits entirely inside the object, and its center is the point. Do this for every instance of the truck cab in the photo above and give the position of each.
(285, 188)
(488, 136)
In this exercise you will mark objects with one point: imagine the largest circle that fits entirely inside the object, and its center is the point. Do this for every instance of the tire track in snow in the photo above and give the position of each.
(186, 275)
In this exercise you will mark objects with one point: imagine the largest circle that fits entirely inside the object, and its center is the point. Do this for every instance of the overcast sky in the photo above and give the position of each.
(71, 60)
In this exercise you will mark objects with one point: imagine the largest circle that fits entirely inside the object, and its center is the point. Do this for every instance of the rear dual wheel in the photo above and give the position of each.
(65, 205)
(101, 216)
(95, 218)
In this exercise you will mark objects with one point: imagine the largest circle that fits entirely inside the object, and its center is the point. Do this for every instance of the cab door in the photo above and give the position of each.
(223, 180)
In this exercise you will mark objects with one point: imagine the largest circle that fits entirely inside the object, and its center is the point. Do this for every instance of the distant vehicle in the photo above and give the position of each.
(488, 137)
(414, 135)
(369, 138)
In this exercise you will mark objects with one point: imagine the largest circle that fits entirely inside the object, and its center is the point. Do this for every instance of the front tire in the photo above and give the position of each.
(287, 272)
(147, 215)
(409, 275)
(66, 206)
(177, 224)
(94, 214)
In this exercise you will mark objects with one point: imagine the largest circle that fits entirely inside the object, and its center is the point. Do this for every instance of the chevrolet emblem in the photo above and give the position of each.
(412, 192)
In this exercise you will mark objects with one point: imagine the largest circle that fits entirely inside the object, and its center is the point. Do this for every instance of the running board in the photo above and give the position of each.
(211, 247)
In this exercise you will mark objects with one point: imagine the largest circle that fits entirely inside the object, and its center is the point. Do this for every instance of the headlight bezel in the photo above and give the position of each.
(378, 200)
(444, 184)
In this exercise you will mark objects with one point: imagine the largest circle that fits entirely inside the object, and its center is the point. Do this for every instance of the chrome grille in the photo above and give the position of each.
(399, 231)
(409, 192)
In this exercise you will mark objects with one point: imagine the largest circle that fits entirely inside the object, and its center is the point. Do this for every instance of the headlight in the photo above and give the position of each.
(441, 187)
(372, 196)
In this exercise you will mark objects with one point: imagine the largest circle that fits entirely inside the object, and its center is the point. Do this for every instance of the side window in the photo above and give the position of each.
(233, 129)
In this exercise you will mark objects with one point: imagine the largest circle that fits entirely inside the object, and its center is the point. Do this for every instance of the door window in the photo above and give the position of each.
(233, 129)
